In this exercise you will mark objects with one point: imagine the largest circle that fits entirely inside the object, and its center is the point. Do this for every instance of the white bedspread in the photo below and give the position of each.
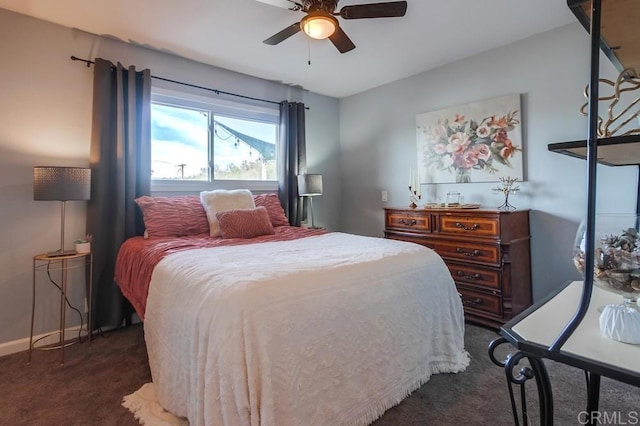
(326, 330)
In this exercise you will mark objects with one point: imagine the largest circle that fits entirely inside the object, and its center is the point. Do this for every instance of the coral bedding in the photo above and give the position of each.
(331, 328)
(138, 256)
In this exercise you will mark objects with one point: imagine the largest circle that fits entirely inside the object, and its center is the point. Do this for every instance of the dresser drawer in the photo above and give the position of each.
(479, 301)
(476, 275)
(412, 238)
(470, 226)
(469, 252)
(409, 221)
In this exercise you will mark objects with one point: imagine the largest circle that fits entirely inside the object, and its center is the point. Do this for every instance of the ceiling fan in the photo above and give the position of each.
(320, 22)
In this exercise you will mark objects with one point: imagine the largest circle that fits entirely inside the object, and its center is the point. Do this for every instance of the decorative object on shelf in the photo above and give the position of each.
(470, 143)
(83, 245)
(617, 269)
(415, 193)
(61, 184)
(310, 186)
(507, 188)
(621, 323)
(624, 83)
(453, 199)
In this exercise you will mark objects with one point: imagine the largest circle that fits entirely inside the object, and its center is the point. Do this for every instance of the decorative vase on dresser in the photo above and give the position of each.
(487, 252)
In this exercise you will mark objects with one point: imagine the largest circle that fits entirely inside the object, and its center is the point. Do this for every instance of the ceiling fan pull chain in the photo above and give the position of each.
(309, 52)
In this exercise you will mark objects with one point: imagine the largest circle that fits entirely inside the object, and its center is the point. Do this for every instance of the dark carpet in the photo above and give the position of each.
(88, 389)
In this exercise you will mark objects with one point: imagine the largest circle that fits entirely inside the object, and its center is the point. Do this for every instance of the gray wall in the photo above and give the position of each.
(323, 151)
(378, 143)
(45, 119)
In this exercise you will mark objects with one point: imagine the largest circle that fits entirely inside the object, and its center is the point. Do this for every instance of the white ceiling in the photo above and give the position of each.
(229, 34)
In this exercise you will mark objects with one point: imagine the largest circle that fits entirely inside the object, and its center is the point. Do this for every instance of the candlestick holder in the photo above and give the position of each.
(414, 197)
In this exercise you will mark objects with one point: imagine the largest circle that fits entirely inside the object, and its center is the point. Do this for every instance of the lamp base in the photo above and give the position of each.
(59, 253)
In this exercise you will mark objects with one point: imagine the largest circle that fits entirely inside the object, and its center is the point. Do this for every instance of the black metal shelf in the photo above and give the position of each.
(616, 34)
(617, 40)
(620, 44)
(618, 30)
(612, 151)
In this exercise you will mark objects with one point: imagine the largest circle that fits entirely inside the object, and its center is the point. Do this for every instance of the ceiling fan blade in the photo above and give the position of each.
(283, 35)
(374, 10)
(285, 4)
(341, 41)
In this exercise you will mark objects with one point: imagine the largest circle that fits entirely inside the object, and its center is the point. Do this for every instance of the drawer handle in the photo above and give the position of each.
(461, 274)
(467, 228)
(473, 253)
(408, 222)
(476, 301)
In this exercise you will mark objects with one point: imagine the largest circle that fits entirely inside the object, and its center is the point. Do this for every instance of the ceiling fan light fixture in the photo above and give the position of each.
(319, 25)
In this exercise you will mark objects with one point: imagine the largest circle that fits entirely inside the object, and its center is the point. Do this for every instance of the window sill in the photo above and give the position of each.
(159, 187)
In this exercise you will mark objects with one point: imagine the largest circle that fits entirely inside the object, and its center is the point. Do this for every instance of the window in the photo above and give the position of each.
(203, 143)
(179, 143)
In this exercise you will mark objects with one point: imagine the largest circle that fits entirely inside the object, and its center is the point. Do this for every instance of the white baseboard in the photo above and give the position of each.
(21, 345)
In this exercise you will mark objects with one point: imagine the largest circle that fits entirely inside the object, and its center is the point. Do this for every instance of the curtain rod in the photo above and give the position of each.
(216, 91)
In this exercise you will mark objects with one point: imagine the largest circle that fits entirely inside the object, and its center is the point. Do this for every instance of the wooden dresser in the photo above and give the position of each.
(487, 252)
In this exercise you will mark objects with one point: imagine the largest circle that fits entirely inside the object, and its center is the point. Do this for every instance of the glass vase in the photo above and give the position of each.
(463, 175)
(616, 268)
(616, 255)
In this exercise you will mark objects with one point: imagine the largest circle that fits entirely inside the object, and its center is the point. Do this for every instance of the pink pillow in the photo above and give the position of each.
(173, 216)
(245, 223)
(271, 202)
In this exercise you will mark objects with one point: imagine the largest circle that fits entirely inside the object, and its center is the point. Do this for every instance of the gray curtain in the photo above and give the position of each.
(292, 158)
(120, 161)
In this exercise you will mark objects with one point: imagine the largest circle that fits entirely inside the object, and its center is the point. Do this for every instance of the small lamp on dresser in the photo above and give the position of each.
(61, 184)
(310, 186)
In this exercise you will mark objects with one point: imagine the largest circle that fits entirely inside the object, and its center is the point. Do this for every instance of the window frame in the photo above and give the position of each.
(249, 110)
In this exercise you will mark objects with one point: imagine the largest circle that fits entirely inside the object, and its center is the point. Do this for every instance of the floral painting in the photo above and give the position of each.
(476, 142)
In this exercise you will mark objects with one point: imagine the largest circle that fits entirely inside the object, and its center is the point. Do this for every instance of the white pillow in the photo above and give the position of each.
(221, 200)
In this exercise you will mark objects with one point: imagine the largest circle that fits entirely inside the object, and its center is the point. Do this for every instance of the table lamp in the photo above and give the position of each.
(61, 184)
(309, 186)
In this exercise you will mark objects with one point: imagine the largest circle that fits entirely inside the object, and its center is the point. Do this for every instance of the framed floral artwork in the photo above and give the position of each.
(476, 142)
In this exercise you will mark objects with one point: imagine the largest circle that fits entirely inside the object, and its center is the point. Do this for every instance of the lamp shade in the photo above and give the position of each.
(319, 25)
(309, 185)
(61, 183)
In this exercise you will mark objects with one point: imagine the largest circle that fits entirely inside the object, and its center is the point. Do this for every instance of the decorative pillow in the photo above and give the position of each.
(271, 202)
(222, 200)
(249, 223)
(173, 216)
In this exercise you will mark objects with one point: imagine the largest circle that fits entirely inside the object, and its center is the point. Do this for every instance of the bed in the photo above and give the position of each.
(301, 326)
